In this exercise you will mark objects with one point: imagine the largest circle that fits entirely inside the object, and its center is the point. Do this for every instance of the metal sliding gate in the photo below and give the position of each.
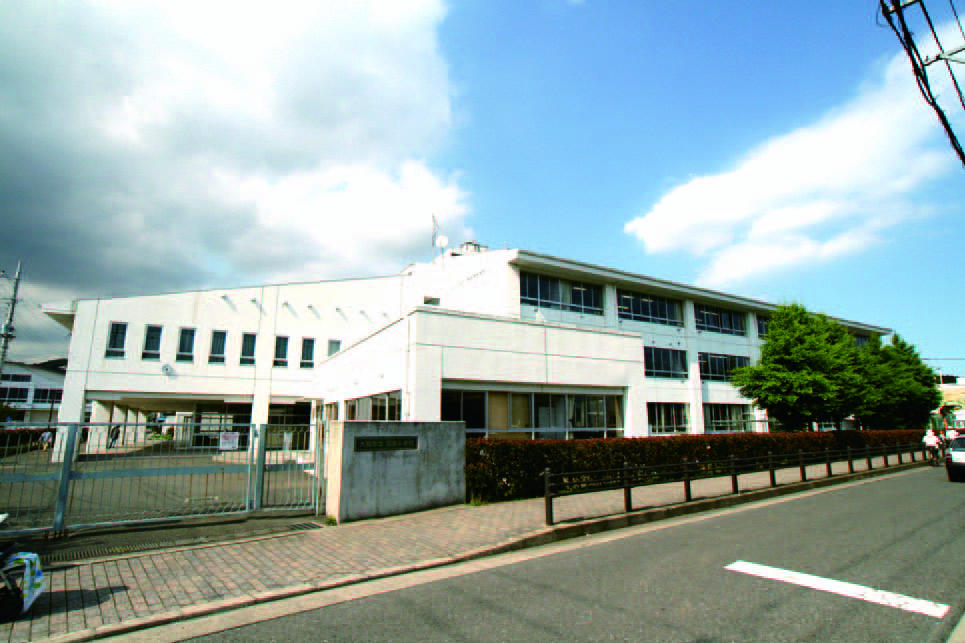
(71, 476)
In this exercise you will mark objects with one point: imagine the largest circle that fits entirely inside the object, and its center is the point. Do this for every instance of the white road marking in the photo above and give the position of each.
(851, 590)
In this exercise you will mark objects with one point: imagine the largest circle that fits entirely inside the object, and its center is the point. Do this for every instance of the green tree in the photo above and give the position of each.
(808, 370)
(900, 389)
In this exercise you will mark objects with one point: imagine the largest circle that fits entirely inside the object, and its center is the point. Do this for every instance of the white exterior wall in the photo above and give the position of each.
(40, 378)
(477, 336)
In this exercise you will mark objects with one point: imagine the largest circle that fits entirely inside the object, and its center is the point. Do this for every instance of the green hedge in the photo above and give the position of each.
(510, 469)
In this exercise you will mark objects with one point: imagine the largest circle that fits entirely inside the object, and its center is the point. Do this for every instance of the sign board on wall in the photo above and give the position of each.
(228, 441)
(386, 443)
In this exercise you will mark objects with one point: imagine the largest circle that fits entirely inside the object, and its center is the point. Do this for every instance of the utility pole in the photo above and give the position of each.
(6, 331)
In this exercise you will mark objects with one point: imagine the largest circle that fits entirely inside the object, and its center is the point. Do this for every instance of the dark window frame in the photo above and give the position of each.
(280, 359)
(116, 338)
(717, 367)
(186, 337)
(151, 349)
(636, 306)
(308, 358)
(218, 357)
(720, 320)
(669, 363)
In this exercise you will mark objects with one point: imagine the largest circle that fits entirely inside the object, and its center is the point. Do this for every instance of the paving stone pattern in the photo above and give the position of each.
(90, 594)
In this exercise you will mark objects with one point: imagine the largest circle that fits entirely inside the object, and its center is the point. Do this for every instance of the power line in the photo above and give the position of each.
(895, 15)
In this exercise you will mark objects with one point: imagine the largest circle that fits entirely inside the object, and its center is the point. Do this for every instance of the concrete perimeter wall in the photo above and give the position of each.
(372, 469)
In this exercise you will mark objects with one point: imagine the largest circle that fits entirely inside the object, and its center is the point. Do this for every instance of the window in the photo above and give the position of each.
(860, 340)
(726, 418)
(719, 320)
(430, 301)
(762, 323)
(334, 346)
(247, 349)
(115, 339)
(216, 354)
(47, 395)
(281, 351)
(308, 353)
(13, 394)
(718, 367)
(664, 362)
(185, 345)
(647, 308)
(14, 377)
(152, 343)
(542, 414)
(667, 417)
(558, 294)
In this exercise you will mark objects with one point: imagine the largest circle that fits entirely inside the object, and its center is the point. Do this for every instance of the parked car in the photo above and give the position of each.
(955, 459)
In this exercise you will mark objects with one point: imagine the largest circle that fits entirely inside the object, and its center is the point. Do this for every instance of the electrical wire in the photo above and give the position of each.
(941, 50)
(918, 69)
(955, 13)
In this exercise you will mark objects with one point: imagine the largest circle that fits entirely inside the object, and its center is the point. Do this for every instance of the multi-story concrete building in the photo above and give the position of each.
(509, 341)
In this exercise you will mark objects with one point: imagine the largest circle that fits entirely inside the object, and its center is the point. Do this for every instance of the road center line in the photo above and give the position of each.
(900, 601)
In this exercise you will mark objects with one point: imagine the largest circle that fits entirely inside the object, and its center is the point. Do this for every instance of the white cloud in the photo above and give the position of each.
(817, 193)
(152, 146)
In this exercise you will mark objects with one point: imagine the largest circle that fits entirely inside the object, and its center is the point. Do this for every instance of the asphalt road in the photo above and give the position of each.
(900, 534)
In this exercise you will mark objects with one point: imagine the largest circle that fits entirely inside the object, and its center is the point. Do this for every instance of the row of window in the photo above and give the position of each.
(560, 294)
(500, 410)
(151, 348)
(21, 394)
(672, 417)
(14, 377)
(672, 363)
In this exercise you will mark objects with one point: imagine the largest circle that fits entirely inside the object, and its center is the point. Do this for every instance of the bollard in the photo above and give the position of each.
(687, 494)
(800, 460)
(850, 460)
(770, 468)
(733, 475)
(548, 495)
(827, 460)
(626, 487)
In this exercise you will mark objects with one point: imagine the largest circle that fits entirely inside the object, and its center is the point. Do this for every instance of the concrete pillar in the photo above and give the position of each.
(694, 389)
(100, 422)
(71, 411)
(422, 397)
(635, 411)
(610, 317)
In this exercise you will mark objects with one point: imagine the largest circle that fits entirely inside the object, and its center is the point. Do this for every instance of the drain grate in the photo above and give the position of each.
(305, 526)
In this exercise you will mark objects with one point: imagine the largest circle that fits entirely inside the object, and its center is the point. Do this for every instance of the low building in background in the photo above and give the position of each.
(32, 390)
(511, 342)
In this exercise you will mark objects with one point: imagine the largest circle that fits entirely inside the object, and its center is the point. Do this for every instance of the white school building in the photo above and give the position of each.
(512, 342)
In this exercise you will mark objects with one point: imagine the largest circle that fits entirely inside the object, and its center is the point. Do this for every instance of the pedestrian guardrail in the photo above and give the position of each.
(630, 476)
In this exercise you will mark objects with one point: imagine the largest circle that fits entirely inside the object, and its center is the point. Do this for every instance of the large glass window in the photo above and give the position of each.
(152, 342)
(379, 408)
(308, 353)
(115, 339)
(714, 366)
(216, 354)
(247, 349)
(541, 414)
(667, 417)
(47, 395)
(560, 294)
(647, 308)
(281, 351)
(185, 345)
(762, 323)
(727, 418)
(664, 362)
(13, 394)
(719, 320)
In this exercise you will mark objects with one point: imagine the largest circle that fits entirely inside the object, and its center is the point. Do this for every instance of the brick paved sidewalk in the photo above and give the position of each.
(92, 598)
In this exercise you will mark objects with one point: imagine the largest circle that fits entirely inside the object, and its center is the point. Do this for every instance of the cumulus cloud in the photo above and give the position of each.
(823, 191)
(153, 146)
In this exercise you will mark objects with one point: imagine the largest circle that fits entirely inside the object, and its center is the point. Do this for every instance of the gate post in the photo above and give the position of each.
(63, 488)
(320, 480)
(258, 463)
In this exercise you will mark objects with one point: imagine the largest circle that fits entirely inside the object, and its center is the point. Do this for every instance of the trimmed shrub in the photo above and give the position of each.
(510, 469)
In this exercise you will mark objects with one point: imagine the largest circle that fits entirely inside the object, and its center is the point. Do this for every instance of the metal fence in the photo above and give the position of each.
(57, 476)
(629, 476)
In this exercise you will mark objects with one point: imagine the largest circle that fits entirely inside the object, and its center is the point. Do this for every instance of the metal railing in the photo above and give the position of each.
(630, 476)
(55, 477)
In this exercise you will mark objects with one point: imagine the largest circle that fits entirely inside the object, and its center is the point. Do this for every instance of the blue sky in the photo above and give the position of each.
(775, 150)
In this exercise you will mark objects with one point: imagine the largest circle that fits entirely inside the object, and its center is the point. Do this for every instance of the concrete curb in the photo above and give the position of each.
(536, 538)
